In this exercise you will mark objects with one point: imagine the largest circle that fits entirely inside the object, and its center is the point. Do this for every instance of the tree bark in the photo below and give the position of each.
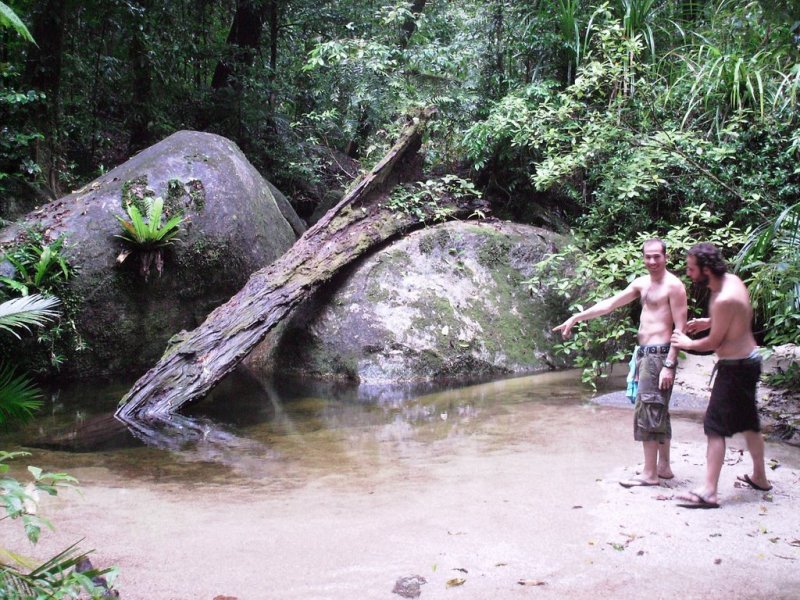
(244, 40)
(43, 72)
(274, 16)
(140, 113)
(410, 25)
(361, 221)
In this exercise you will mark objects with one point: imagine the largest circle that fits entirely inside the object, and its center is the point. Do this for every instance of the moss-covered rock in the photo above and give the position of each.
(447, 301)
(235, 223)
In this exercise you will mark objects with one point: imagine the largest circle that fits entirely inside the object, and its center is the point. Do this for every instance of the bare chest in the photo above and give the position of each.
(655, 297)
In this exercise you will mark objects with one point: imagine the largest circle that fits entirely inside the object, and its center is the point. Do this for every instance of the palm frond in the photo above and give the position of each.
(63, 569)
(26, 311)
(16, 584)
(19, 397)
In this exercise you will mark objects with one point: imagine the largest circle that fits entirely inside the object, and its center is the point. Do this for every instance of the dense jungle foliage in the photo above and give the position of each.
(612, 120)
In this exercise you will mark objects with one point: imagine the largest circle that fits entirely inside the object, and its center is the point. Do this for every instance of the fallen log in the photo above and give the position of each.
(361, 221)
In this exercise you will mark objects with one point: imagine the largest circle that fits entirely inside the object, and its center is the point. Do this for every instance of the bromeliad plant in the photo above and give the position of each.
(148, 238)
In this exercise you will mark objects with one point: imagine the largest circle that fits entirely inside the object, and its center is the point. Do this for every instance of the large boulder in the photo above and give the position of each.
(446, 301)
(236, 223)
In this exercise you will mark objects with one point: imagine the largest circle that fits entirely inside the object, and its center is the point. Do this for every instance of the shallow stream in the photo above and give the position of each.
(283, 432)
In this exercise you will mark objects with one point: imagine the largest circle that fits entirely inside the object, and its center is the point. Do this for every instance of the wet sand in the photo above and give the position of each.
(528, 493)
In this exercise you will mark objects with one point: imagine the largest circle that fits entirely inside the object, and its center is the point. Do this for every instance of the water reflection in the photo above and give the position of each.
(262, 429)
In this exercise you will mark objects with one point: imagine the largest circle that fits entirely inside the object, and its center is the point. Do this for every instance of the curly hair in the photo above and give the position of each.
(708, 255)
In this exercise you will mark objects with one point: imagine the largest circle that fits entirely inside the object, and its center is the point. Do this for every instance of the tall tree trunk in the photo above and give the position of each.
(140, 115)
(410, 25)
(244, 40)
(499, 47)
(358, 223)
(353, 149)
(274, 16)
(43, 72)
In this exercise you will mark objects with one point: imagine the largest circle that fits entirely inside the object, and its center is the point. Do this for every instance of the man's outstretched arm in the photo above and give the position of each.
(626, 296)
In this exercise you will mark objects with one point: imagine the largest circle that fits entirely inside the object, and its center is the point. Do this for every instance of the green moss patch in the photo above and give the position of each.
(181, 196)
(134, 192)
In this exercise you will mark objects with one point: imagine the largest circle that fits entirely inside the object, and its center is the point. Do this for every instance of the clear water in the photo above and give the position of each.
(276, 431)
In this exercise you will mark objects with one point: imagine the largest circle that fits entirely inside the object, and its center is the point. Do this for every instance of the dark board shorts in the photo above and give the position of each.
(732, 407)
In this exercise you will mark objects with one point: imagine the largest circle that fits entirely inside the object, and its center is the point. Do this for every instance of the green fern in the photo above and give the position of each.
(149, 234)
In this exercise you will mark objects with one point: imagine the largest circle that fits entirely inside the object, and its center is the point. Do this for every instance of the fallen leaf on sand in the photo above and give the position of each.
(531, 582)
(456, 581)
(617, 547)
(795, 543)
(460, 569)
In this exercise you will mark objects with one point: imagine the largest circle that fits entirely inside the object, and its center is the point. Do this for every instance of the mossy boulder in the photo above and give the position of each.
(446, 301)
(235, 223)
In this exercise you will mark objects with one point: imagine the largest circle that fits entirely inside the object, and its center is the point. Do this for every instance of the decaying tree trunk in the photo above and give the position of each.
(362, 220)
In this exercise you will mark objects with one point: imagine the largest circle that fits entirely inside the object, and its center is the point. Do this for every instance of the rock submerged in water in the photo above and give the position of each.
(446, 301)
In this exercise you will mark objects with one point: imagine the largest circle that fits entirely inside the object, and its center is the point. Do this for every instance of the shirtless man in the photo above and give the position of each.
(732, 407)
(663, 299)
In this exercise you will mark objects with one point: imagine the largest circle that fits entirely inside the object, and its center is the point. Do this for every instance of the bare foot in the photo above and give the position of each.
(666, 473)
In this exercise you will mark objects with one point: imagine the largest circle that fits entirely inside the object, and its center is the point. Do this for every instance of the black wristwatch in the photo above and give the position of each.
(669, 364)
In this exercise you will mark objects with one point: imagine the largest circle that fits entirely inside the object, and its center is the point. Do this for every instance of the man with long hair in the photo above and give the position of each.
(732, 407)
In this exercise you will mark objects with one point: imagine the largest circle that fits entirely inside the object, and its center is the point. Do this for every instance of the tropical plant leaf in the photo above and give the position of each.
(19, 397)
(59, 572)
(769, 263)
(16, 584)
(8, 18)
(28, 310)
(151, 234)
(9, 557)
(15, 285)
